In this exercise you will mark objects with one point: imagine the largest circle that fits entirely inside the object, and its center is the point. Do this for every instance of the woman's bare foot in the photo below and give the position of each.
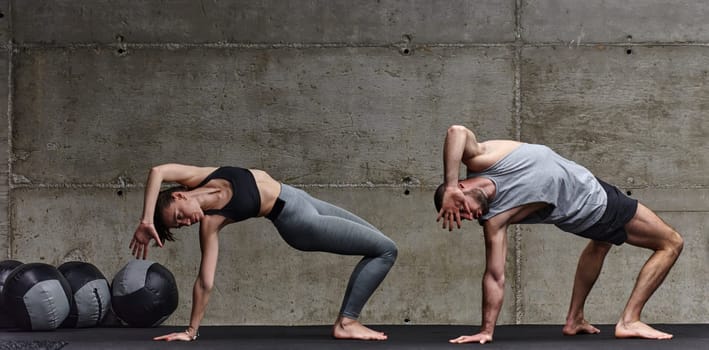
(347, 328)
(575, 327)
(638, 329)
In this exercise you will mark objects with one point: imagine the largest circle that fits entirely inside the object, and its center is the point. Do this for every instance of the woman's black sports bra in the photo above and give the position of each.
(245, 200)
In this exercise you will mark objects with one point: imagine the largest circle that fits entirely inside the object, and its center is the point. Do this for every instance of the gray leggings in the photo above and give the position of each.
(309, 224)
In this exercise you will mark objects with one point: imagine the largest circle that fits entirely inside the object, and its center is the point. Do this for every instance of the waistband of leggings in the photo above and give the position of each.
(287, 193)
(276, 210)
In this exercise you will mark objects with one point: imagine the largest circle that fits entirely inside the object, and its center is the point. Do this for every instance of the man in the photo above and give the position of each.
(511, 182)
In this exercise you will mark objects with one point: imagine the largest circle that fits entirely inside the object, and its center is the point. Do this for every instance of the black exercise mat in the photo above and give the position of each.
(523, 337)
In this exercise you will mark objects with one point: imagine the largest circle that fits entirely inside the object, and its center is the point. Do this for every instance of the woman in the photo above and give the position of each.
(216, 197)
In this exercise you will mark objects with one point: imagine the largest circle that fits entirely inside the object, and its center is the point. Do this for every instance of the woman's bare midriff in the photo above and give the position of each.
(268, 189)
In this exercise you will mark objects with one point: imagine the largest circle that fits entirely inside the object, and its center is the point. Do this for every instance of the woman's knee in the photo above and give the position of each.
(391, 252)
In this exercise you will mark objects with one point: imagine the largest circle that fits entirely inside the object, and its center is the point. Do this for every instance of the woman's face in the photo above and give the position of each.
(183, 211)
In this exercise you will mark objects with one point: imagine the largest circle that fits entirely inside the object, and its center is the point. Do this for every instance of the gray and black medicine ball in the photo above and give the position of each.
(37, 296)
(144, 293)
(6, 267)
(91, 294)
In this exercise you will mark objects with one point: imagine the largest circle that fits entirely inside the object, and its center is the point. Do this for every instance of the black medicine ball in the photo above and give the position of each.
(91, 294)
(37, 296)
(144, 293)
(6, 267)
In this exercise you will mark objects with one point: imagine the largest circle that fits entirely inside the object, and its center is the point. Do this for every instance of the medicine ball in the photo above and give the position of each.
(37, 296)
(5, 268)
(91, 294)
(144, 293)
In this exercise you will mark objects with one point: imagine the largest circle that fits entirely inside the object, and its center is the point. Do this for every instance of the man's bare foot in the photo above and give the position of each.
(638, 329)
(575, 327)
(347, 328)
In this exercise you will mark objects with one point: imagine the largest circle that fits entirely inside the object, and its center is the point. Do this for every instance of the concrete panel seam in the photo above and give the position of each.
(141, 186)
(395, 45)
(517, 94)
(573, 44)
(519, 293)
(517, 86)
(680, 211)
(403, 185)
(178, 46)
(518, 21)
(73, 186)
(10, 93)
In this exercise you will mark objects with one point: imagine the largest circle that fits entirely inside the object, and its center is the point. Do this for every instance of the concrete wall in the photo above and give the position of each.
(351, 100)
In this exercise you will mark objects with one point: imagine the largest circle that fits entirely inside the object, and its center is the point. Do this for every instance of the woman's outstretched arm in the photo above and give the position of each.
(203, 285)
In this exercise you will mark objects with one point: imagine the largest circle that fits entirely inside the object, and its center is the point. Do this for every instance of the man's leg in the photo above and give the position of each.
(587, 271)
(647, 230)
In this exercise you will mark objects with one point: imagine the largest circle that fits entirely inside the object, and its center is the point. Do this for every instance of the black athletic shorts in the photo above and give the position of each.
(619, 210)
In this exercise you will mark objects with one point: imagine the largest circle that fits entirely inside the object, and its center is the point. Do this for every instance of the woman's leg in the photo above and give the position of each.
(310, 224)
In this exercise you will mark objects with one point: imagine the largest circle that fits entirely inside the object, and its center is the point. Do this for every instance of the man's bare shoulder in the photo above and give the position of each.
(491, 152)
(499, 146)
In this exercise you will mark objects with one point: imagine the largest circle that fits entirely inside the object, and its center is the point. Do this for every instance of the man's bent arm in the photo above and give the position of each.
(459, 146)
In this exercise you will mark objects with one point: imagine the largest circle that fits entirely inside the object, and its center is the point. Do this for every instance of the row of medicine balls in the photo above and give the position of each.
(38, 296)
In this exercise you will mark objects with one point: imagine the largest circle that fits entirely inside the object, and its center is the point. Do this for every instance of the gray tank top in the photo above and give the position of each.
(534, 173)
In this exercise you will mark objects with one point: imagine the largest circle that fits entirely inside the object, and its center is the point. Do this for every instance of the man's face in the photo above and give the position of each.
(473, 198)
(475, 206)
